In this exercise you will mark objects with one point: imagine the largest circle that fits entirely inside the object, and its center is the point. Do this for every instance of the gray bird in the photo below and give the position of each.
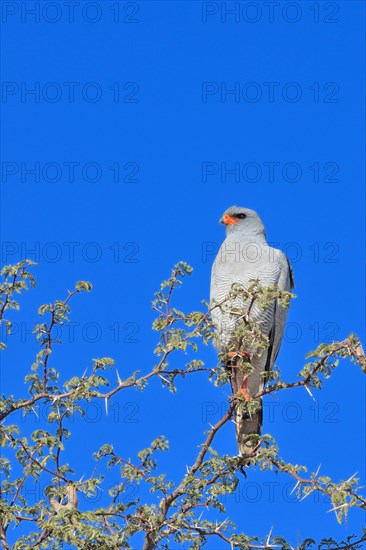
(243, 257)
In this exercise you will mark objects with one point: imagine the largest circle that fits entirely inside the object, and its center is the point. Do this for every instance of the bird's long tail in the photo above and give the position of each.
(247, 424)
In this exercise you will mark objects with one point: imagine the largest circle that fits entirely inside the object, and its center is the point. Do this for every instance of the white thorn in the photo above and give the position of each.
(316, 473)
(294, 487)
(84, 373)
(35, 412)
(106, 405)
(337, 507)
(118, 378)
(309, 392)
(221, 524)
(162, 377)
(349, 479)
(269, 536)
(304, 497)
(81, 479)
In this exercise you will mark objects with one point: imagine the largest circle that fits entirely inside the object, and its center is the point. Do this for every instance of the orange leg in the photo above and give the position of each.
(243, 390)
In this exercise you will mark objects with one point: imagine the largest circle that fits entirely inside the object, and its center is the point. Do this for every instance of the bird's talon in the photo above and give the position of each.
(238, 354)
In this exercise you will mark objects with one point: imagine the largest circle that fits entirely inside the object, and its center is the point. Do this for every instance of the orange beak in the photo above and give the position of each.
(229, 220)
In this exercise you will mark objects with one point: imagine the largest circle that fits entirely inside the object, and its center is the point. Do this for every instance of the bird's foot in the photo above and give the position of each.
(245, 354)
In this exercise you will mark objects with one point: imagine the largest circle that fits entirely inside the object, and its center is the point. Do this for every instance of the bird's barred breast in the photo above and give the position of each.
(243, 262)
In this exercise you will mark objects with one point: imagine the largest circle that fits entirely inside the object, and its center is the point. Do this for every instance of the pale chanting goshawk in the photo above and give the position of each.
(243, 257)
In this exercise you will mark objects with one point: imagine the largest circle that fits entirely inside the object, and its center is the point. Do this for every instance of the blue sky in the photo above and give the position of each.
(143, 126)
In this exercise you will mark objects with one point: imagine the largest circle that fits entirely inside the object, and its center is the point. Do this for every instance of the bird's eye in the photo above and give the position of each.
(241, 216)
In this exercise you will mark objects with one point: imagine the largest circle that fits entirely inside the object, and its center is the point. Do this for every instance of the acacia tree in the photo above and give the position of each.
(173, 511)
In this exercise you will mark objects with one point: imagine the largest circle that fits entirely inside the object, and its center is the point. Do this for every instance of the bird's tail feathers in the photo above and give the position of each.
(248, 429)
(248, 418)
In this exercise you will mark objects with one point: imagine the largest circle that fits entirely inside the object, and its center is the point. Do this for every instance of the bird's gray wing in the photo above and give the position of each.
(285, 282)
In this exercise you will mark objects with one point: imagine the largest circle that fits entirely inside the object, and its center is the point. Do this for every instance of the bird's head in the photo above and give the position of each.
(237, 219)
